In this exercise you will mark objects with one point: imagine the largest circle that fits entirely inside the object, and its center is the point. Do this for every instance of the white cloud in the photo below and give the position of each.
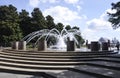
(50, 1)
(98, 27)
(98, 24)
(117, 30)
(111, 10)
(72, 1)
(62, 14)
(85, 17)
(34, 3)
(53, 1)
(75, 3)
(78, 7)
(89, 35)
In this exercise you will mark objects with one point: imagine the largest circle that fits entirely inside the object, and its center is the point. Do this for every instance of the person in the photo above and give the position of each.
(117, 45)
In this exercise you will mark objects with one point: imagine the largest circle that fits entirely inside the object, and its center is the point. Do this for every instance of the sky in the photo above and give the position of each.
(89, 15)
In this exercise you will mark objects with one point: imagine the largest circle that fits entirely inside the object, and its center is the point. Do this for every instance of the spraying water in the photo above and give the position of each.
(61, 37)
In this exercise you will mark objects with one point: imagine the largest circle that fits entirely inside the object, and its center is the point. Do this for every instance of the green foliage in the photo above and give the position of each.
(25, 22)
(79, 38)
(68, 27)
(38, 21)
(59, 26)
(50, 22)
(9, 26)
(114, 18)
(14, 26)
(75, 27)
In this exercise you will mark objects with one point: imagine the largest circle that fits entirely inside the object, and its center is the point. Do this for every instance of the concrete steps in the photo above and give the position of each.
(34, 62)
(40, 60)
(60, 53)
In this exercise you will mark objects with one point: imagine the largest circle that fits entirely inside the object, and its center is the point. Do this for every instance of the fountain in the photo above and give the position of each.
(60, 37)
(50, 63)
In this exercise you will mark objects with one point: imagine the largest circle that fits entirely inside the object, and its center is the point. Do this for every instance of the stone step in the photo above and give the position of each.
(23, 62)
(52, 51)
(44, 64)
(61, 57)
(57, 53)
(28, 55)
(20, 69)
(38, 61)
(60, 72)
(57, 57)
(49, 69)
(50, 59)
(38, 56)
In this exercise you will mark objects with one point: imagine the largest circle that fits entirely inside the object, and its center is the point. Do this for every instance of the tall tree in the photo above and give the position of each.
(9, 26)
(50, 22)
(114, 18)
(75, 27)
(25, 22)
(79, 38)
(38, 20)
(68, 27)
(59, 26)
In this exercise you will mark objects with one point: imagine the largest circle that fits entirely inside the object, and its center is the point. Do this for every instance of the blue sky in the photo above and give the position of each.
(89, 15)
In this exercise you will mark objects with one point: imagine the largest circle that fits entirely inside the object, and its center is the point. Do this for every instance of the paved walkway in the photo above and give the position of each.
(10, 75)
